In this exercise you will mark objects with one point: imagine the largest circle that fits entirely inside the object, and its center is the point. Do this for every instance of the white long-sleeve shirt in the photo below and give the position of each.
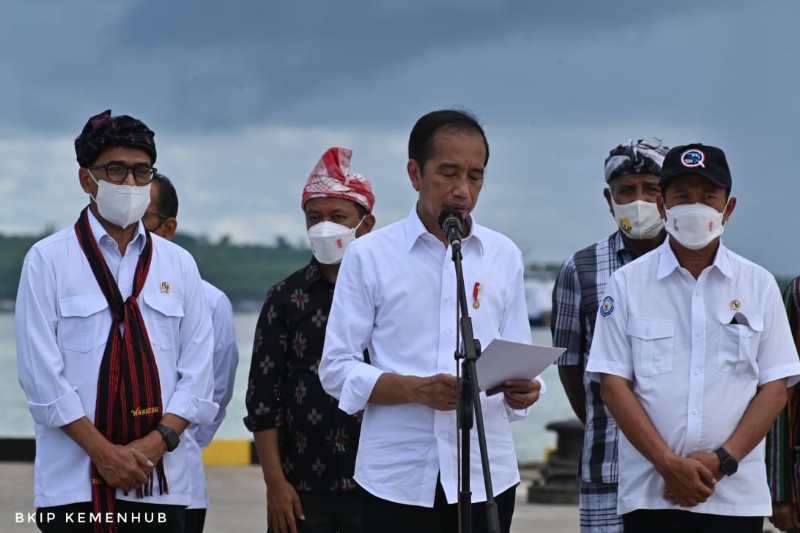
(226, 359)
(63, 322)
(396, 295)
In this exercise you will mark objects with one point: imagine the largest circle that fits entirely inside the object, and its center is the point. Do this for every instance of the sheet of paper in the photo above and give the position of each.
(503, 360)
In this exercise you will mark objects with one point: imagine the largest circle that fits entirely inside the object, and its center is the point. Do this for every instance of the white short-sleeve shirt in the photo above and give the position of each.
(695, 351)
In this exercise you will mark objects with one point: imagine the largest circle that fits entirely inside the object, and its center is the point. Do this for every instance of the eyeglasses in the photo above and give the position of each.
(117, 172)
(162, 219)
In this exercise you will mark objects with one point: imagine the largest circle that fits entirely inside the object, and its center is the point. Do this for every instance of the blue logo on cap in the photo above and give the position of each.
(693, 158)
(607, 307)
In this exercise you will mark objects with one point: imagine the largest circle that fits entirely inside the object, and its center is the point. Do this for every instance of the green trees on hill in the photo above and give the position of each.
(12, 253)
(243, 272)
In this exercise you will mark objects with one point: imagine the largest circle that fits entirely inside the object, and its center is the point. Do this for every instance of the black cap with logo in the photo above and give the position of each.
(706, 161)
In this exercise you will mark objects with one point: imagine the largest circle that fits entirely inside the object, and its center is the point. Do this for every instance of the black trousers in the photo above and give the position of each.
(670, 521)
(195, 520)
(132, 517)
(390, 517)
(330, 512)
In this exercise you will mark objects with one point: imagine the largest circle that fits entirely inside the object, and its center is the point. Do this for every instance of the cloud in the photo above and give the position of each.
(210, 65)
(244, 97)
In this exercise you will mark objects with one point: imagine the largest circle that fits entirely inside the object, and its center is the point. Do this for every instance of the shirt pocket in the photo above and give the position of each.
(738, 344)
(652, 344)
(85, 322)
(164, 330)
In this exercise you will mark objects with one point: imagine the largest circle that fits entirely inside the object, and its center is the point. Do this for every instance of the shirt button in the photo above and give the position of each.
(647, 332)
(697, 334)
(694, 411)
(697, 294)
(696, 370)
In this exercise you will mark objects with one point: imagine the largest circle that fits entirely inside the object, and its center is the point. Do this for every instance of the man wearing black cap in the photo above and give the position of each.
(114, 346)
(632, 172)
(693, 351)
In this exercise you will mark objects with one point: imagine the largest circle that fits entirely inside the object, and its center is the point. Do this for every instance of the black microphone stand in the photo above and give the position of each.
(469, 397)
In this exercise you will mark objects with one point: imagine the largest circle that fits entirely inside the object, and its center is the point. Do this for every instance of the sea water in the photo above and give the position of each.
(530, 436)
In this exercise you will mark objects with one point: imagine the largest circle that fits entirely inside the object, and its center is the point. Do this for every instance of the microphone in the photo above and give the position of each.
(451, 222)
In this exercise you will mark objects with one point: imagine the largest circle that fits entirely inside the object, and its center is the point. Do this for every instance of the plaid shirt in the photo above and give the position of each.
(576, 297)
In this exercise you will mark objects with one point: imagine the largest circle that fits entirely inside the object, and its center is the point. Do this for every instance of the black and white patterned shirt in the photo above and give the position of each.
(318, 441)
(576, 297)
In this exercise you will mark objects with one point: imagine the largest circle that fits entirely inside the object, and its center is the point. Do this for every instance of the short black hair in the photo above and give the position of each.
(420, 143)
(167, 202)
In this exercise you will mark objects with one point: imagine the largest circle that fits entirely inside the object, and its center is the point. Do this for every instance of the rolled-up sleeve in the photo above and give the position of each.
(515, 326)
(192, 398)
(226, 360)
(52, 400)
(566, 317)
(343, 372)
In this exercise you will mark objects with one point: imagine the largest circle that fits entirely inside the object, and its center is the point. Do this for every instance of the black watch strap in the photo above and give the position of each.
(727, 463)
(169, 435)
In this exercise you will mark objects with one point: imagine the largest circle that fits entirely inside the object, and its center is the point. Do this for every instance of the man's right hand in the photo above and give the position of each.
(283, 506)
(785, 516)
(688, 482)
(438, 392)
(123, 467)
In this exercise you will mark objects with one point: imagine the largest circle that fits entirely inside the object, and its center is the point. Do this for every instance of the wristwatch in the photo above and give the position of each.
(727, 463)
(170, 437)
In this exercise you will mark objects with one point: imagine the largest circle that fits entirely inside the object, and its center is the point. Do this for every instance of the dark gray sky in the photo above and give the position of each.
(244, 97)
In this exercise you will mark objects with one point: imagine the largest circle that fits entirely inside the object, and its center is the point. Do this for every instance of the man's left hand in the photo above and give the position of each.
(151, 445)
(518, 393)
(710, 460)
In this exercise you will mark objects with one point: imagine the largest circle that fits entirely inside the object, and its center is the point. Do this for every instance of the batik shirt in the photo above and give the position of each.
(317, 441)
(576, 296)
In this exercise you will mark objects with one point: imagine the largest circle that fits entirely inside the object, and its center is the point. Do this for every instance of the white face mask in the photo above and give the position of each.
(329, 240)
(122, 205)
(639, 219)
(694, 226)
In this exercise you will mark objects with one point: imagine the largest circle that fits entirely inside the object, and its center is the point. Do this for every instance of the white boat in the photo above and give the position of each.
(539, 297)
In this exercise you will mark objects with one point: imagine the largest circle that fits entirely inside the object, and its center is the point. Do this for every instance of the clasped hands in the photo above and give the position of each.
(690, 480)
(128, 467)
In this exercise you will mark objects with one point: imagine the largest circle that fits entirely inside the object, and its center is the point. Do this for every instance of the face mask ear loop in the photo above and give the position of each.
(94, 198)
(359, 222)
(724, 209)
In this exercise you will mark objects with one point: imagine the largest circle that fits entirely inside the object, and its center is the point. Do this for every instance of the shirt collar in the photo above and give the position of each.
(668, 262)
(415, 229)
(618, 245)
(104, 239)
(313, 274)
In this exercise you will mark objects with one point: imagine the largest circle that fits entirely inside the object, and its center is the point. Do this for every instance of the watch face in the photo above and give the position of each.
(172, 440)
(729, 466)
(170, 437)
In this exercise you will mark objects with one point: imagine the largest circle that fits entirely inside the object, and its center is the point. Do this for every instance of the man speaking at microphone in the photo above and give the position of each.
(396, 296)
